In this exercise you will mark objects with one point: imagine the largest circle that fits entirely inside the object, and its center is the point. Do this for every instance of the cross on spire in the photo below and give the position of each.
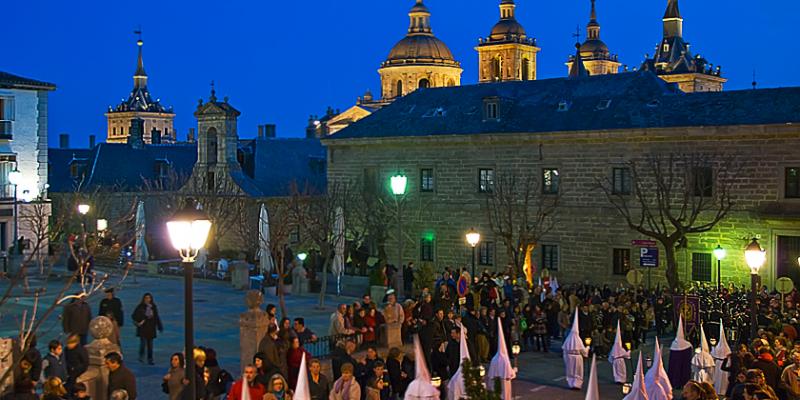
(577, 34)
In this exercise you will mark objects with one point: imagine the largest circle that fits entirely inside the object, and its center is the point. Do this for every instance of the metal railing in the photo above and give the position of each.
(6, 129)
(323, 346)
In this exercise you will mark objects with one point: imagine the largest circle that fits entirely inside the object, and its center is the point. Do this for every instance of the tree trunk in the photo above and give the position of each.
(279, 286)
(672, 265)
(324, 287)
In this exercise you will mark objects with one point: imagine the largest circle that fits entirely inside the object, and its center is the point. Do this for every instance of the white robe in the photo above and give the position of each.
(574, 370)
(620, 370)
(720, 377)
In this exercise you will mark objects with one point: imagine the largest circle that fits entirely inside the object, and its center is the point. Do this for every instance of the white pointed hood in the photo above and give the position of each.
(680, 342)
(638, 391)
(656, 381)
(420, 388)
(618, 351)
(501, 364)
(593, 391)
(702, 358)
(302, 391)
(573, 341)
(456, 389)
(554, 285)
(721, 350)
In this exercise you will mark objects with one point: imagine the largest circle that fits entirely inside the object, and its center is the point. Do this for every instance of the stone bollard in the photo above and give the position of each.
(96, 377)
(252, 327)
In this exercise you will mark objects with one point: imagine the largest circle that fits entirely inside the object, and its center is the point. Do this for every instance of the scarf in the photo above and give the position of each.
(344, 388)
(279, 395)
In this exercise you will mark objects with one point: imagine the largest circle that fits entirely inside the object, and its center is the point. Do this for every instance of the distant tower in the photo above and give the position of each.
(419, 60)
(217, 141)
(594, 52)
(508, 54)
(673, 62)
(140, 105)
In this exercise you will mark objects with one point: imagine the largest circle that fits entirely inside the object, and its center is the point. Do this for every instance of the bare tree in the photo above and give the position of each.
(520, 213)
(671, 196)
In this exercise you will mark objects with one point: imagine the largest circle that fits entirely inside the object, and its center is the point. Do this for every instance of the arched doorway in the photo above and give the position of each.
(424, 83)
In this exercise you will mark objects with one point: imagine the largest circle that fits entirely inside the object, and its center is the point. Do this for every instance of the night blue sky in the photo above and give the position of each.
(280, 61)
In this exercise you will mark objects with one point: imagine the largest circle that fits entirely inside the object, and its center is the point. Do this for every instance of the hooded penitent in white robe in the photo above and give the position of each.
(680, 358)
(720, 352)
(702, 362)
(574, 351)
(302, 391)
(617, 357)
(500, 367)
(656, 381)
(420, 388)
(593, 391)
(638, 391)
(455, 387)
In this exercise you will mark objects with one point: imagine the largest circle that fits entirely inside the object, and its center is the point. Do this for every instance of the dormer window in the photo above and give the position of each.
(491, 109)
(653, 103)
(604, 104)
(666, 48)
(435, 112)
(563, 105)
(161, 168)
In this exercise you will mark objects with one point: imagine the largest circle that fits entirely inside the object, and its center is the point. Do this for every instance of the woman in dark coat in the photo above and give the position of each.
(146, 319)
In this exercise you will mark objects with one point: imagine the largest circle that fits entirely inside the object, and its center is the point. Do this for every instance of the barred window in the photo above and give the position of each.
(426, 180)
(426, 250)
(701, 267)
(550, 181)
(703, 181)
(485, 180)
(550, 257)
(486, 253)
(622, 261)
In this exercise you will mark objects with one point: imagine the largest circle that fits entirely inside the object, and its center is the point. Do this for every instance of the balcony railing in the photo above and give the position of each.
(5, 129)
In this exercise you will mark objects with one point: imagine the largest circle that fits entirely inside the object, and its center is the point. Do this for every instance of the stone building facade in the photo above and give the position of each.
(577, 131)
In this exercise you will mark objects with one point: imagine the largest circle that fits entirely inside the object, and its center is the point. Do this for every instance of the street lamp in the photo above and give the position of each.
(302, 256)
(473, 238)
(188, 231)
(436, 381)
(83, 208)
(515, 350)
(15, 178)
(755, 257)
(398, 183)
(719, 253)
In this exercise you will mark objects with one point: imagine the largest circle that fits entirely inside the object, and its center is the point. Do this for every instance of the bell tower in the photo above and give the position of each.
(217, 141)
(507, 54)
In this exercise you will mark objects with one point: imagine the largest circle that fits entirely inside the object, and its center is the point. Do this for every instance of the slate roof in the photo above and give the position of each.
(280, 162)
(11, 81)
(638, 100)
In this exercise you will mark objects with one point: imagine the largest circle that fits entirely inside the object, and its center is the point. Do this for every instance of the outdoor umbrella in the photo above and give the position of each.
(617, 357)
(702, 361)
(456, 388)
(638, 391)
(338, 250)
(141, 253)
(500, 367)
(302, 391)
(720, 352)
(421, 387)
(574, 351)
(265, 264)
(656, 381)
(593, 391)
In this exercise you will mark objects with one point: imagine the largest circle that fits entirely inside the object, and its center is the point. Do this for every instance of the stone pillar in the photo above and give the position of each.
(96, 377)
(252, 327)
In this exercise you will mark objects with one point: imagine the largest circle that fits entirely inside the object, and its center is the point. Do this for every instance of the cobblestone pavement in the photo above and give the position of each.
(217, 307)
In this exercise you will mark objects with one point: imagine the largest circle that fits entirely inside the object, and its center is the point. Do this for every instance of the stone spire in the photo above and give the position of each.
(578, 69)
(672, 10)
(673, 22)
(139, 77)
(593, 27)
(420, 20)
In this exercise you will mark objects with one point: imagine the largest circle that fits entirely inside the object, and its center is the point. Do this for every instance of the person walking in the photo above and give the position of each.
(173, 380)
(119, 376)
(146, 318)
(76, 317)
(112, 307)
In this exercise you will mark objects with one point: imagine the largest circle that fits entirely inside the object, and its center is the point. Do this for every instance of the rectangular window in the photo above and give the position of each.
(792, 183)
(550, 257)
(426, 250)
(6, 109)
(621, 180)
(622, 261)
(703, 181)
(485, 180)
(491, 110)
(701, 267)
(550, 181)
(426, 180)
(294, 235)
(486, 253)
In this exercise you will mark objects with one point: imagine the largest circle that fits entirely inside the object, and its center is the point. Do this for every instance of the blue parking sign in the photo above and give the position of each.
(648, 257)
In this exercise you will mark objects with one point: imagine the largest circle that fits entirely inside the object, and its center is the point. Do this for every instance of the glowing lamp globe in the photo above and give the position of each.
(302, 256)
(188, 230)
(755, 256)
(83, 209)
(473, 237)
(719, 253)
(398, 183)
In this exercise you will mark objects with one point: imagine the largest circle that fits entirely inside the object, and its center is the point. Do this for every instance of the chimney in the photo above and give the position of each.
(261, 131)
(155, 136)
(269, 130)
(190, 135)
(63, 140)
(136, 133)
(91, 141)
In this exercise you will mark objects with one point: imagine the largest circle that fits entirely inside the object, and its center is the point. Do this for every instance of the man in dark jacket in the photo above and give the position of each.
(319, 386)
(53, 364)
(453, 351)
(76, 317)
(119, 377)
(77, 359)
(408, 280)
(341, 355)
(112, 306)
(273, 348)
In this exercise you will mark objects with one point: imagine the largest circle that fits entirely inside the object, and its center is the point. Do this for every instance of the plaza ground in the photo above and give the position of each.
(217, 307)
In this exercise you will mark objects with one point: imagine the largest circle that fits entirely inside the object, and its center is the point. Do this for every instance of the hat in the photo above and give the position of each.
(109, 290)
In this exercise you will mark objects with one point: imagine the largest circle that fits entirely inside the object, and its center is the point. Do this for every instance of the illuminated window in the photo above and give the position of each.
(426, 249)
(621, 180)
(792, 183)
(399, 88)
(701, 267)
(550, 256)
(666, 48)
(486, 253)
(622, 261)
(550, 181)
(426, 180)
(485, 180)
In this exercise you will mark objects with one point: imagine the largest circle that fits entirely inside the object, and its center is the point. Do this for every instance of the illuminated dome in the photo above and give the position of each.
(594, 47)
(420, 49)
(507, 27)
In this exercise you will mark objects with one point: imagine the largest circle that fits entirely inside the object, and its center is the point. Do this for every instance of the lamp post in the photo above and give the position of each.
(83, 209)
(14, 178)
(398, 183)
(188, 230)
(719, 253)
(473, 238)
(515, 350)
(755, 257)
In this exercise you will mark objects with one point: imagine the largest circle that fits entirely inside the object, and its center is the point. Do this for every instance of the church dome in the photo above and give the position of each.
(420, 49)
(507, 27)
(592, 47)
